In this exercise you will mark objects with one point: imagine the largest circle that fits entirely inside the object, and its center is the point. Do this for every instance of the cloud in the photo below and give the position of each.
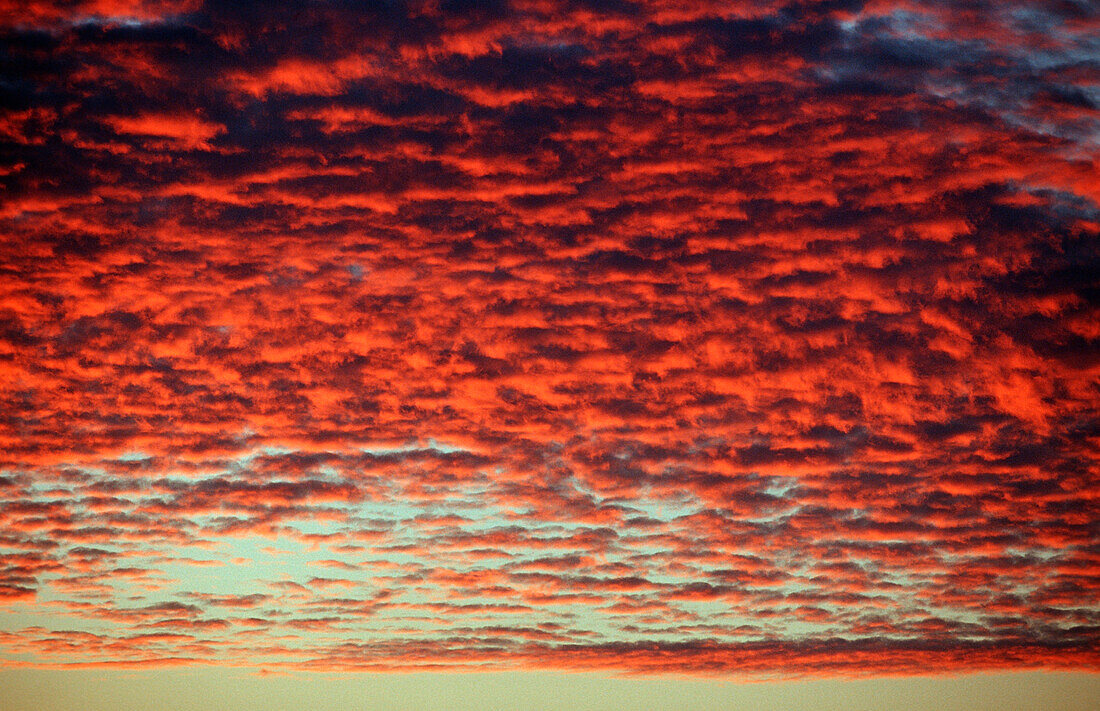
(689, 338)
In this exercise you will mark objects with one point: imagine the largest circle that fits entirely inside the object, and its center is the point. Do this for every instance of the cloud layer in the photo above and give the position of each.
(657, 337)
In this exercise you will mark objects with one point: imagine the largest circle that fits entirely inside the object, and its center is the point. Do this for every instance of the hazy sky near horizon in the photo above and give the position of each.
(729, 339)
(196, 689)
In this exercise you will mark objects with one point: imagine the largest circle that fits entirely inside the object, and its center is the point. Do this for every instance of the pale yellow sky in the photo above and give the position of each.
(210, 689)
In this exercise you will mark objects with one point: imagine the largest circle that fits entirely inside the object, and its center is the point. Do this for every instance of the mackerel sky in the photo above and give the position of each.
(645, 338)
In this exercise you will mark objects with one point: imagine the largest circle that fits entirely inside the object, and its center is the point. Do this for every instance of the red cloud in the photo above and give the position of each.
(690, 338)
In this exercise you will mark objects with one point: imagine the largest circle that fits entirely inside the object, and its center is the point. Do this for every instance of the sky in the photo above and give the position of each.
(550, 349)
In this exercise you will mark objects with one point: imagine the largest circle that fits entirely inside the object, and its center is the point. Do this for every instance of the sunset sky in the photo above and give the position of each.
(625, 352)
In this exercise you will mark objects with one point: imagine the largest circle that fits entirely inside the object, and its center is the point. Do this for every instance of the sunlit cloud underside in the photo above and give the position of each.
(648, 337)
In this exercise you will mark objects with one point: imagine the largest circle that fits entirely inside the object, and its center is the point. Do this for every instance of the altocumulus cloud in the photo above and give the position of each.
(656, 337)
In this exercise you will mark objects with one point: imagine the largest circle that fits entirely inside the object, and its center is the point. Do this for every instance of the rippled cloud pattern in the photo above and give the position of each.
(683, 336)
